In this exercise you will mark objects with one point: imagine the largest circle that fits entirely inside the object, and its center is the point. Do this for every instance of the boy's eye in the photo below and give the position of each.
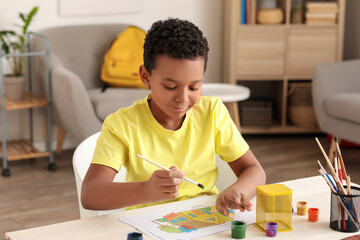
(169, 88)
(194, 88)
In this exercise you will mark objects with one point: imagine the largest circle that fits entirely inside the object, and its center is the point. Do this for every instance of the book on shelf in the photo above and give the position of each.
(320, 21)
(321, 5)
(243, 12)
(323, 10)
(320, 15)
(248, 12)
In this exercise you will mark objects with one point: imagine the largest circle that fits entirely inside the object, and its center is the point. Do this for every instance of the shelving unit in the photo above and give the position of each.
(24, 148)
(275, 56)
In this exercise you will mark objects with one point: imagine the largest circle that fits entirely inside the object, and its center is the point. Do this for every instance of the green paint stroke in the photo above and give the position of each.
(224, 218)
(169, 229)
(161, 220)
(208, 209)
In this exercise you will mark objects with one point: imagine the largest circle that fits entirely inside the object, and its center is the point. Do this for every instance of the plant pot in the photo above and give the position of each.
(14, 87)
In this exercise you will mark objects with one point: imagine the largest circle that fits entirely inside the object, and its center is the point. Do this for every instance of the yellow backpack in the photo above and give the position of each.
(123, 58)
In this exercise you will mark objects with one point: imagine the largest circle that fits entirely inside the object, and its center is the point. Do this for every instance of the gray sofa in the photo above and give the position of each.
(336, 99)
(76, 53)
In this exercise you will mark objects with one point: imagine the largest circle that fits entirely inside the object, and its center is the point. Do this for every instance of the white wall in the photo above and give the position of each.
(207, 14)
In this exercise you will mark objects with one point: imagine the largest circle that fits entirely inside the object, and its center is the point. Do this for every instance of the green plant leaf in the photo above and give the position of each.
(16, 45)
(22, 39)
(13, 42)
(22, 16)
(4, 38)
(29, 18)
(5, 46)
(5, 32)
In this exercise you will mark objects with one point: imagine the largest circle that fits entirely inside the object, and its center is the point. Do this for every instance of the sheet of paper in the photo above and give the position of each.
(186, 219)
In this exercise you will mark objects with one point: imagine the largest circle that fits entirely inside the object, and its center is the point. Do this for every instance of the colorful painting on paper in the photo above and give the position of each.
(187, 219)
(192, 220)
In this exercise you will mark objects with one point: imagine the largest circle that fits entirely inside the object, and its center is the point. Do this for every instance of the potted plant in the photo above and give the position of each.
(13, 43)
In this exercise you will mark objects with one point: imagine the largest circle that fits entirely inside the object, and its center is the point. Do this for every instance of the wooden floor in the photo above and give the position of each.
(33, 196)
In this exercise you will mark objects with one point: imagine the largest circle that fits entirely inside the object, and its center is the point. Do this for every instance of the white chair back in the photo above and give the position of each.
(81, 163)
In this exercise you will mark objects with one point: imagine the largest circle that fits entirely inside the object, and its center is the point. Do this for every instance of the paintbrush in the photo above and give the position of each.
(348, 183)
(340, 157)
(332, 171)
(356, 221)
(341, 181)
(167, 169)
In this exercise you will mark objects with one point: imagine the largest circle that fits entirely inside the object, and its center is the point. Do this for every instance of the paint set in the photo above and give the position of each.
(274, 202)
(345, 199)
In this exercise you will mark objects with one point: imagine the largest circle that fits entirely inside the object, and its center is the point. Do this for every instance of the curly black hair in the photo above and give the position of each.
(175, 38)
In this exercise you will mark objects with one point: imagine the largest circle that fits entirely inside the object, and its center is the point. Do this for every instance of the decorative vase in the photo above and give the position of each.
(270, 16)
(14, 87)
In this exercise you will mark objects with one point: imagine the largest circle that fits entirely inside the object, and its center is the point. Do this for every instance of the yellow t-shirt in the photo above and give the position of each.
(206, 130)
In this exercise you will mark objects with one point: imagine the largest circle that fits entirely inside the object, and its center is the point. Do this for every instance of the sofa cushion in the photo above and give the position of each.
(114, 98)
(344, 106)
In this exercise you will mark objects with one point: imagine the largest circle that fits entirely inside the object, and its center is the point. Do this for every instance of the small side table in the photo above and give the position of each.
(228, 93)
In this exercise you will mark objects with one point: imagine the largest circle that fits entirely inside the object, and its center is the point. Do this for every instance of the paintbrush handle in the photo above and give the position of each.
(340, 157)
(332, 171)
(356, 223)
(343, 165)
(167, 169)
(154, 163)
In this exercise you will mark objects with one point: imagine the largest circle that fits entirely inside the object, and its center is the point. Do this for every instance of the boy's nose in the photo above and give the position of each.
(181, 96)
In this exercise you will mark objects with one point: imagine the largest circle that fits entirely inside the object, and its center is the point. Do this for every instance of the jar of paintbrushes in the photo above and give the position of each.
(344, 210)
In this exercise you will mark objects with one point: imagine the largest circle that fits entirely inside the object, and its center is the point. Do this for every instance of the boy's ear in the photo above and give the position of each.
(145, 76)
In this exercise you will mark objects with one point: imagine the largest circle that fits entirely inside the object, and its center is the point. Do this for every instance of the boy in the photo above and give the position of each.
(172, 126)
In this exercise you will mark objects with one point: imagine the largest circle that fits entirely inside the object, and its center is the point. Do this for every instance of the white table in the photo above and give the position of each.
(313, 190)
(228, 93)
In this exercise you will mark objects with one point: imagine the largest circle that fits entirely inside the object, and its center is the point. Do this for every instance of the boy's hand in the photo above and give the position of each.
(163, 184)
(232, 199)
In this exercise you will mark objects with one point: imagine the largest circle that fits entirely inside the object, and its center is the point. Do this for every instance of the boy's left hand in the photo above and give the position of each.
(232, 199)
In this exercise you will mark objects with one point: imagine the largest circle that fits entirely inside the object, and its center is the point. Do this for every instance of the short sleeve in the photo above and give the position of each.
(229, 144)
(110, 150)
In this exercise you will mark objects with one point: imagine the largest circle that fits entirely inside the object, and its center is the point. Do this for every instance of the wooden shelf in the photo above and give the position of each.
(21, 149)
(305, 26)
(278, 130)
(267, 58)
(30, 101)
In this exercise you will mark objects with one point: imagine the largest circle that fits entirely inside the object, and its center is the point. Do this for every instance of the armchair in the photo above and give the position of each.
(336, 99)
(76, 55)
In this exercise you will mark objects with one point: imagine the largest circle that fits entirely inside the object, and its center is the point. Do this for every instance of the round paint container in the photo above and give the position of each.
(238, 229)
(134, 236)
(271, 229)
(301, 208)
(313, 214)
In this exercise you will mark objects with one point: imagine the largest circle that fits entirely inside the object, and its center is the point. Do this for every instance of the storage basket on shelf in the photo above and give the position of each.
(256, 113)
(301, 111)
